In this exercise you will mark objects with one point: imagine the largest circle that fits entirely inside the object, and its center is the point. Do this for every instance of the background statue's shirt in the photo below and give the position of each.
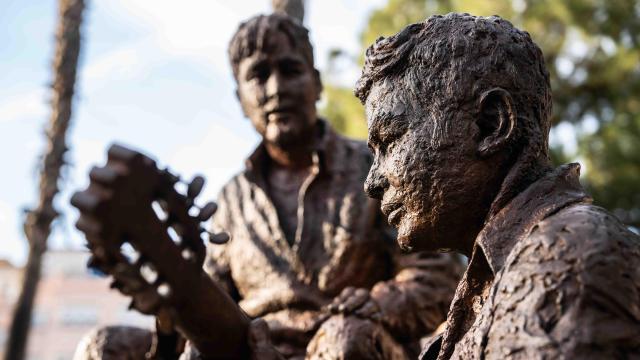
(341, 240)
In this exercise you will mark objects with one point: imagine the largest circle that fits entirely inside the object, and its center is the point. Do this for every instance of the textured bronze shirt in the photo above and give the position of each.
(340, 240)
(551, 277)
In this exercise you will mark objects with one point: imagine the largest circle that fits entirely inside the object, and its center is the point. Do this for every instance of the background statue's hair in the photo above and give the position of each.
(252, 34)
(449, 61)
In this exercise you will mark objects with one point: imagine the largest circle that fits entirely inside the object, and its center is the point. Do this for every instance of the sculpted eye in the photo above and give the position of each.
(291, 68)
(260, 73)
(384, 146)
(374, 143)
(370, 146)
(385, 133)
(391, 137)
(375, 148)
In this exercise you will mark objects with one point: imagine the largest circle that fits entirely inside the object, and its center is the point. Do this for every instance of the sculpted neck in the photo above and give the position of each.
(294, 157)
(298, 154)
(526, 170)
(513, 177)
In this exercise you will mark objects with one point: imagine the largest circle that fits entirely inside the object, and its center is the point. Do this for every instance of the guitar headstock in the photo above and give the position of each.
(142, 231)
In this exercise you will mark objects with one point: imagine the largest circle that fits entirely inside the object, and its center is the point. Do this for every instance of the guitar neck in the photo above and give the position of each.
(117, 209)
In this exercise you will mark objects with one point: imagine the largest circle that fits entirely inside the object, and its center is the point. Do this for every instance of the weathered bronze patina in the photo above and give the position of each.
(459, 112)
(304, 236)
(309, 253)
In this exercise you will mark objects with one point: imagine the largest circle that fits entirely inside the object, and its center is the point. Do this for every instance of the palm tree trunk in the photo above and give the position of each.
(293, 8)
(37, 225)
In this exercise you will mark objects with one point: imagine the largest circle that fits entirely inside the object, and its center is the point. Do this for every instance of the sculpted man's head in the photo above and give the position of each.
(278, 86)
(458, 111)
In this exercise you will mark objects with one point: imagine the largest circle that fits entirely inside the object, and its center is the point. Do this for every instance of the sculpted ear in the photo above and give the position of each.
(496, 121)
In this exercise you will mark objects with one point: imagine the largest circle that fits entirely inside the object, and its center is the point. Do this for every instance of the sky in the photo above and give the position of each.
(153, 75)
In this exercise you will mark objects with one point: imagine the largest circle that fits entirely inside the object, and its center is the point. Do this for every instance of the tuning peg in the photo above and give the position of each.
(195, 187)
(143, 305)
(172, 178)
(103, 175)
(97, 266)
(88, 225)
(147, 302)
(115, 284)
(94, 262)
(120, 152)
(84, 201)
(219, 238)
(207, 211)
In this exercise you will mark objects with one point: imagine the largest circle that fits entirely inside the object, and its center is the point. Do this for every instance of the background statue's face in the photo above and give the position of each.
(425, 170)
(278, 90)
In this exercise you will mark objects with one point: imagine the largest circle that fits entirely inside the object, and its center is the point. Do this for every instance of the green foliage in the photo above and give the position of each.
(612, 158)
(344, 111)
(592, 50)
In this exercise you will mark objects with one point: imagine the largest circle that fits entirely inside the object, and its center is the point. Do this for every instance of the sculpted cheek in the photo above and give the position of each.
(410, 172)
(402, 161)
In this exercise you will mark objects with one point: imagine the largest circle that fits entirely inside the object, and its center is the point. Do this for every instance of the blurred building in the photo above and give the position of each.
(71, 300)
(10, 277)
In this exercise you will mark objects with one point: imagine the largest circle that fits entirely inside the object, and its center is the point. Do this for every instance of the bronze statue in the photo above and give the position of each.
(309, 253)
(304, 235)
(458, 111)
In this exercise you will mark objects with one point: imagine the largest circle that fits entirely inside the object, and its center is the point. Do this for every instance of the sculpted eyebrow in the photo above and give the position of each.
(291, 60)
(374, 130)
(377, 126)
(389, 127)
(256, 67)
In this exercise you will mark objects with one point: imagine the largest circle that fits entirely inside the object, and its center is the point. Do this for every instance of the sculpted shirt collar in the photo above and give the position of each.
(323, 159)
(513, 223)
(552, 192)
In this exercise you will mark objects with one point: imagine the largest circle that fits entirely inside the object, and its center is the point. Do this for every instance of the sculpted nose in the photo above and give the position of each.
(274, 85)
(376, 183)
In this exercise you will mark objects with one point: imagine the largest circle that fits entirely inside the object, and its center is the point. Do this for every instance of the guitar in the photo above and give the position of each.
(148, 237)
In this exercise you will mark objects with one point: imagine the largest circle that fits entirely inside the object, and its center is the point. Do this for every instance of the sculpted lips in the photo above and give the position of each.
(279, 112)
(393, 211)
